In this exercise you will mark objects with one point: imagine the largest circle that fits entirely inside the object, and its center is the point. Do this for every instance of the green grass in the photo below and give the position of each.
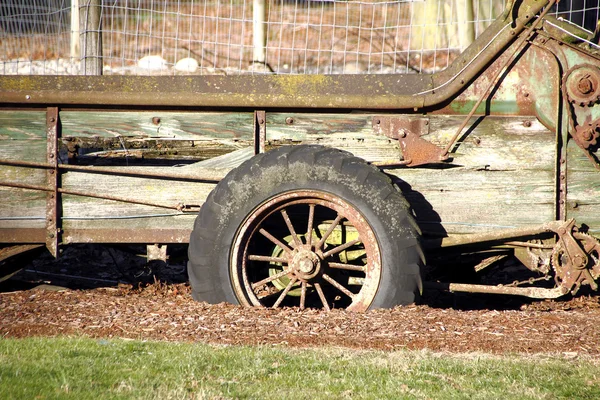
(79, 368)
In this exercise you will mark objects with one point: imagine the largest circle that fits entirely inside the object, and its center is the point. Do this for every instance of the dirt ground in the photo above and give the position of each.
(126, 298)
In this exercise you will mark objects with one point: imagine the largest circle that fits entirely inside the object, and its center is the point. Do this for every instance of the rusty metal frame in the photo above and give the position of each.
(53, 181)
(395, 92)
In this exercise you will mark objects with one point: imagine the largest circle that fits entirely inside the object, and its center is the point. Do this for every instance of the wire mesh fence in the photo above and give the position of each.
(244, 36)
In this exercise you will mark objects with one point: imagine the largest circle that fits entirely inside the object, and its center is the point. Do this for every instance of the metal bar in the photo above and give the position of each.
(178, 207)
(146, 235)
(393, 91)
(52, 179)
(532, 292)
(494, 79)
(94, 235)
(23, 235)
(110, 171)
(460, 240)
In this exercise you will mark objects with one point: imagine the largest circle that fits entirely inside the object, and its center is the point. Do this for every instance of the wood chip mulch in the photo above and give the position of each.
(167, 312)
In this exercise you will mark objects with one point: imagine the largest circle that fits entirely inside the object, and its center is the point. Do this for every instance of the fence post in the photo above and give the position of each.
(259, 38)
(90, 18)
(466, 25)
(75, 48)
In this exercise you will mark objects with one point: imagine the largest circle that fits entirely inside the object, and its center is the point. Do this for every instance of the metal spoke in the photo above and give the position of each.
(309, 229)
(288, 222)
(335, 222)
(285, 292)
(253, 257)
(341, 247)
(322, 296)
(303, 295)
(275, 241)
(270, 279)
(338, 286)
(348, 267)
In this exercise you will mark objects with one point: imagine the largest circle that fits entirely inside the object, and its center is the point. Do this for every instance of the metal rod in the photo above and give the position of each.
(494, 79)
(88, 194)
(532, 292)
(111, 171)
(493, 236)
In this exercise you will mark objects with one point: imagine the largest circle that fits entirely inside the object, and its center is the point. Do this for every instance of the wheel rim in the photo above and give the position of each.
(306, 249)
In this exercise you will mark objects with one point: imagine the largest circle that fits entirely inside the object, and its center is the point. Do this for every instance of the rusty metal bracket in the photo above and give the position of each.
(572, 258)
(260, 131)
(408, 132)
(53, 179)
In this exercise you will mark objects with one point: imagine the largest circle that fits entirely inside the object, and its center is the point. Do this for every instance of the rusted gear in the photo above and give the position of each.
(587, 134)
(568, 273)
(582, 84)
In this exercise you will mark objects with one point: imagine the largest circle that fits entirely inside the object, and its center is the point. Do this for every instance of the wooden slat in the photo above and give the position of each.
(583, 189)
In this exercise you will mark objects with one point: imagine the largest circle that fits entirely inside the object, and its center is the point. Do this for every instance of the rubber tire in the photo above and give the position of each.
(291, 168)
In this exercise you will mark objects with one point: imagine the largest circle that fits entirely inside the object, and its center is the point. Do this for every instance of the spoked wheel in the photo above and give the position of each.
(305, 226)
(307, 249)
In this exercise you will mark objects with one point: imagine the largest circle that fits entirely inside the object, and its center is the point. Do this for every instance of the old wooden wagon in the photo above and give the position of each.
(299, 184)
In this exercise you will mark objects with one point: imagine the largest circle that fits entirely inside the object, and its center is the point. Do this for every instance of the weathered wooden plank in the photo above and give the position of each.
(583, 189)
(495, 142)
(466, 201)
(22, 125)
(350, 132)
(229, 126)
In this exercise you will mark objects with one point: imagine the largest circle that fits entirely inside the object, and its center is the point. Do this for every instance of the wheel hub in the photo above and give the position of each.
(306, 264)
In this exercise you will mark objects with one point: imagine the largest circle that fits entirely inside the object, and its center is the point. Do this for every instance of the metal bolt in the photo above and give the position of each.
(402, 133)
(563, 177)
(261, 121)
(27, 97)
(289, 120)
(52, 119)
(156, 120)
(527, 124)
(51, 155)
(585, 85)
(51, 172)
(377, 121)
(51, 235)
(526, 94)
(588, 134)
(477, 141)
